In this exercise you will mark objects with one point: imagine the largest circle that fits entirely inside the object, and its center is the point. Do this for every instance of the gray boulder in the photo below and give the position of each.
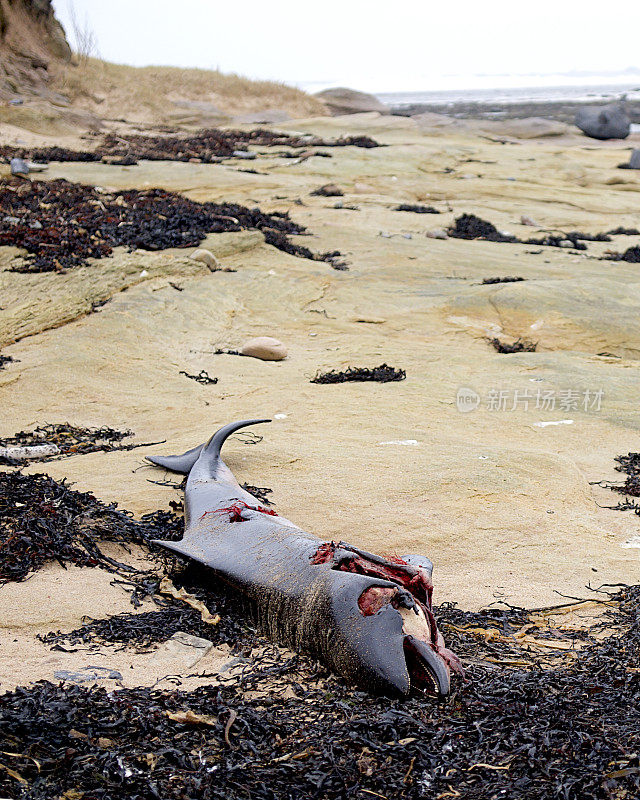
(19, 167)
(349, 101)
(604, 122)
(634, 161)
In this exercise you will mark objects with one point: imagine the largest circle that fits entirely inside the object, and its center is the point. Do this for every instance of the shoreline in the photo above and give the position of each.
(557, 110)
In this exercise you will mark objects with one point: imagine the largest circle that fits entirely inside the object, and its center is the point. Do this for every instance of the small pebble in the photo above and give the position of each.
(437, 233)
(526, 220)
(206, 257)
(19, 167)
(265, 348)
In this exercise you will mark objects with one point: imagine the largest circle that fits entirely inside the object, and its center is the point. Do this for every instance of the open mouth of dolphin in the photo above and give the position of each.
(428, 661)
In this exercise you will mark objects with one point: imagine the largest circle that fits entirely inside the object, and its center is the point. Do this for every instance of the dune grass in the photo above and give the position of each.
(154, 94)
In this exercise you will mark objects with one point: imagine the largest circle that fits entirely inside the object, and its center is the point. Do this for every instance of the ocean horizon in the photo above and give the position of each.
(504, 95)
(506, 89)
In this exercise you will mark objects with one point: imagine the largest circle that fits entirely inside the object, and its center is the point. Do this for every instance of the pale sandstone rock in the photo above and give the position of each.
(206, 257)
(349, 101)
(265, 348)
(525, 219)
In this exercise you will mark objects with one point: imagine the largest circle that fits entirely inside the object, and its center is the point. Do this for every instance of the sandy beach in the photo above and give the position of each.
(405, 563)
(502, 499)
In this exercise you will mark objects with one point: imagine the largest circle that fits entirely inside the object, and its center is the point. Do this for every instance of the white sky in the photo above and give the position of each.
(407, 45)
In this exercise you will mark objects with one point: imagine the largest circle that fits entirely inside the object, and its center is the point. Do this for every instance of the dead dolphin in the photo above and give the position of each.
(369, 618)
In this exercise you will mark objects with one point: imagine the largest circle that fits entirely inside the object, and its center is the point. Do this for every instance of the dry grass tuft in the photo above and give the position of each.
(167, 94)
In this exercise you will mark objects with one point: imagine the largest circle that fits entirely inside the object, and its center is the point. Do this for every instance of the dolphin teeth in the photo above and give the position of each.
(428, 670)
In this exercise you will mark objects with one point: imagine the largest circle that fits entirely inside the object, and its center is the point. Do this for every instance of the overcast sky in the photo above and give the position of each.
(406, 45)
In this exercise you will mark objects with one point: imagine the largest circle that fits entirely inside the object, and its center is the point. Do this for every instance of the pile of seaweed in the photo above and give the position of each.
(632, 255)
(507, 279)
(208, 146)
(630, 466)
(469, 226)
(6, 360)
(522, 724)
(416, 209)
(140, 631)
(71, 440)
(381, 374)
(519, 346)
(43, 520)
(620, 231)
(62, 224)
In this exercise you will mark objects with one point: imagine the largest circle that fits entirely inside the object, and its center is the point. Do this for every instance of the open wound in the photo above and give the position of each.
(235, 511)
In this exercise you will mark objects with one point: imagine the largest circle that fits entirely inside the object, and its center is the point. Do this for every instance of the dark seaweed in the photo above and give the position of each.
(259, 492)
(42, 520)
(62, 224)
(624, 232)
(508, 279)
(468, 226)
(556, 240)
(416, 209)
(140, 631)
(632, 255)
(6, 360)
(219, 352)
(202, 377)
(280, 240)
(522, 726)
(72, 440)
(630, 466)
(381, 374)
(519, 346)
(328, 190)
(207, 146)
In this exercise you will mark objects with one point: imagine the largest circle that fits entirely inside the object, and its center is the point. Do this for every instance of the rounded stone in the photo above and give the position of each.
(604, 122)
(207, 257)
(525, 219)
(265, 348)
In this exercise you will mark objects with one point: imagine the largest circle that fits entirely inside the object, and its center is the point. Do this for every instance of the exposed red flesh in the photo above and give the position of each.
(235, 511)
(374, 598)
(399, 572)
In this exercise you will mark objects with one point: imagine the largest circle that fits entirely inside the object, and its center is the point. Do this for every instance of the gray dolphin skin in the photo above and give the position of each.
(368, 618)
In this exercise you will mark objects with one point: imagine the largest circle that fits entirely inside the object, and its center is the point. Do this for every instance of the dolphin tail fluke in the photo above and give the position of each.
(209, 458)
(181, 463)
(186, 461)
